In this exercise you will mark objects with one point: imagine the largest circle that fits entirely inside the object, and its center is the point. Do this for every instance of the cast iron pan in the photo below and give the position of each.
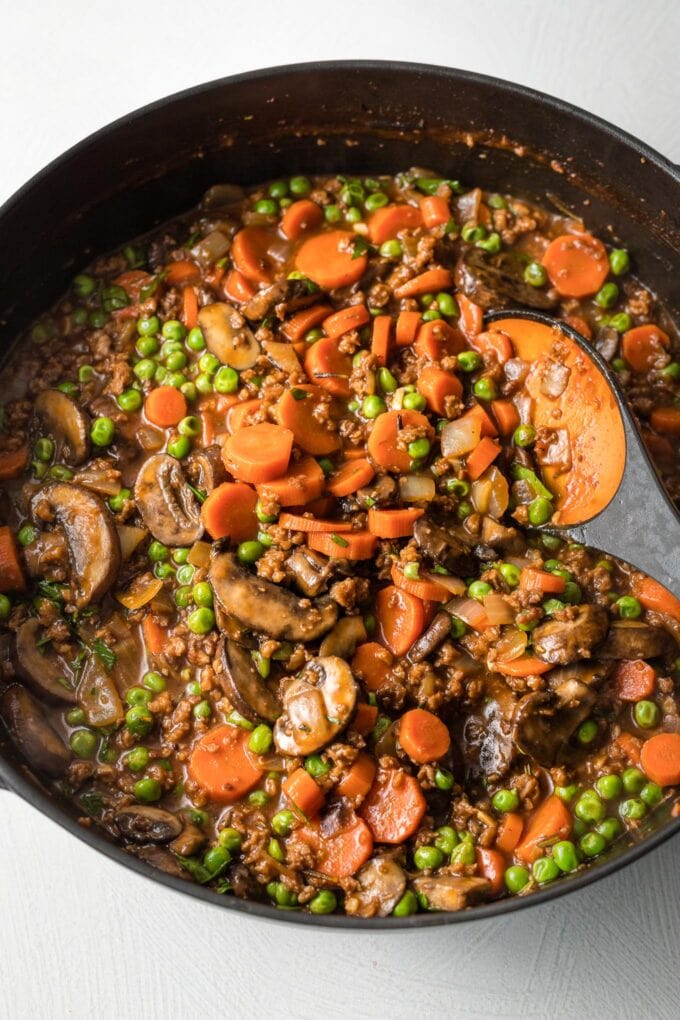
(357, 117)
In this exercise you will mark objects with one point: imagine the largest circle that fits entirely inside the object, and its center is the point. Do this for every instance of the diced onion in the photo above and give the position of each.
(141, 591)
(497, 610)
(129, 538)
(104, 483)
(490, 493)
(416, 488)
(199, 554)
(470, 611)
(512, 645)
(149, 439)
(461, 436)
(211, 247)
(454, 585)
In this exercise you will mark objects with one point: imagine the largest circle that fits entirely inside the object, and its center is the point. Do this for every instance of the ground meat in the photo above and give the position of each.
(351, 592)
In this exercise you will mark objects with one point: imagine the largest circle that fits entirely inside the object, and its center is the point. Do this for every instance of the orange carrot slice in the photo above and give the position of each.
(299, 218)
(393, 523)
(221, 766)
(349, 477)
(576, 264)
(328, 260)
(302, 483)
(355, 545)
(386, 223)
(230, 510)
(258, 453)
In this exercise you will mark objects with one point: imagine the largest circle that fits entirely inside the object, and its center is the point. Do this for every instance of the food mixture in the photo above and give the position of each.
(277, 613)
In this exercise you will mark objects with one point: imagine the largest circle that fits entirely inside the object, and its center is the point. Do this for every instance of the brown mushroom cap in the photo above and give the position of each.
(545, 721)
(497, 281)
(568, 640)
(144, 824)
(381, 884)
(40, 666)
(228, 336)
(317, 705)
(450, 892)
(634, 639)
(167, 505)
(67, 423)
(31, 733)
(243, 685)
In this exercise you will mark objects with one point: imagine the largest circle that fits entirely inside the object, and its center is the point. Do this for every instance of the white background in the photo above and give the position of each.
(79, 936)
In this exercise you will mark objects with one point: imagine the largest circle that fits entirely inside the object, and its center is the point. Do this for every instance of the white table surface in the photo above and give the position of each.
(79, 936)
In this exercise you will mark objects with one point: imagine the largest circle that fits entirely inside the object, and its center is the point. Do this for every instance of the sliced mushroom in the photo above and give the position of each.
(40, 666)
(498, 281)
(450, 892)
(487, 736)
(282, 356)
(382, 490)
(381, 885)
(91, 536)
(205, 468)
(449, 547)
(498, 536)
(161, 858)
(31, 733)
(545, 721)
(311, 571)
(436, 633)
(243, 685)
(227, 336)
(67, 423)
(345, 636)
(189, 841)
(266, 607)
(47, 554)
(141, 823)
(167, 505)
(565, 641)
(317, 705)
(98, 696)
(633, 639)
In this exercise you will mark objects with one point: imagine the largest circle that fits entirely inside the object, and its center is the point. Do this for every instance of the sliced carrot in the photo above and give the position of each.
(491, 865)
(509, 832)
(328, 260)
(299, 218)
(355, 545)
(487, 424)
(436, 385)
(393, 523)
(303, 792)
(237, 288)
(434, 210)
(580, 325)
(189, 307)
(577, 264)
(327, 366)
(221, 766)
(634, 679)
(389, 221)
(178, 274)
(339, 323)
(380, 339)
(660, 758)
(551, 821)
(165, 406)
(630, 746)
(471, 317)
(300, 323)
(428, 591)
(214, 276)
(401, 618)
(250, 254)
(430, 280)
(295, 522)
(11, 571)
(642, 346)
(298, 409)
(423, 736)
(230, 510)
(436, 339)
(532, 579)
(408, 324)
(666, 420)
(303, 482)
(394, 806)
(495, 342)
(154, 634)
(349, 477)
(258, 453)
(371, 663)
(525, 665)
(13, 462)
(358, 779)
(241, 413)
(506, 415)
(365, 718)
(341, 844)
(383, 441)
(481, 457)
(654, 596)
(320, 508)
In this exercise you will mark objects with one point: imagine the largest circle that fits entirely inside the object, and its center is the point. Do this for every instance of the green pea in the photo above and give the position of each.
(158, 552)
(43, 449)
(629, 608)
(535, 275)
(26, 535)
(266, 207)
(572, 593)
(510, 574)
(282, 823)
(79, 318)
(316, 766)
(524, 435)
(97, 318)
(226, 380)
(671, 371)
(609, 828)
(84, 285)
(259, 798)
(203, 383)
(621, 322)
(61, 473)
(587, 732)
(147, 326)
(609, 786)
(633, 780)
(300, 186)
(566, 793)
(85, 373)
(469, 361)
(261, 739)
(201, 621)
(195, 340)
(163, 570)
(325, 902)
(189, 390)
(646, 714)
(545, 870)
(139, 720)
(592, 844)
(373, 406)
(332, 213)
(278, 189)
(265, 539)
(176, 361)
(250, 552)
(589, 808)
(516, 877)
(411, 570)
(391, 249)
(208, 363)
(138, 696)
(471, 233)
(203, 594)
(619, 261)
(492, 243)
(431, 315)
(216, 859)
(447, 305)
(651, 794)
(458, 487)
(607, 295)
(464, 853)
(414, 402)
(565, 856)
(130, 400)
(75, 717)
(443, 779)
(185, 573)
(407, 905)
(419, 448)
(428, 857)
(540, 511)
(147, 790)
(183, 597)
(154, 682)
(147, 345)
(179, 447)
(478, 589)
(137, 759)
(194, 690)
(505, 800)
(458, 628)
(83, 743)
(229, 839)
(485, 389)
(376, 201)
(203, 710)
(446, 840)
(633, 809)
(464, 509)
(263, 517)
(102, 431)
(386, 381)
(312, 335)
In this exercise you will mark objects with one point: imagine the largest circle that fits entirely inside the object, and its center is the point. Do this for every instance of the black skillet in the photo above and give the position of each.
(358, 117)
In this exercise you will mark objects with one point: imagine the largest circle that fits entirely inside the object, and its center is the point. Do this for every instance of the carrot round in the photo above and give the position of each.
(299, 218)
(660, 758)
(634, 680)
(349, 477)
(394, 806)
(241, 413)
(428, 591)
(666, 420)
(302, 483)
(258, 453)
(506, 415)
(327, 259)
(577, 264)
(327, 366)
(487, 424)
(642, 346)
(295, 522)
(221, 766)
(165, 406)
(525, 665)
(401, 618)
(393, 523)
(509, 832)
(407, 328)
(383, 440)
(303, 792)
(341, 845)
(358, 779)
(339, 323)
(237, 288)
(371, 663)
(230, 510)
(430, 280)
(297, 409)
(532, 579)
(389, 221)
(551, 821)
(654, 596)
(434, 210)
(423, 736)
(436, 339)
(494, 342)
(436, 385)
(481, 457)
(365, 718)
(154, 634)
(471, 317)
(249, 253)
(13, 462)
(355, 545)
(491, 865)
(304, 320)
(380, 338)
(189, 307)
(11, 571)
(177, 274)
